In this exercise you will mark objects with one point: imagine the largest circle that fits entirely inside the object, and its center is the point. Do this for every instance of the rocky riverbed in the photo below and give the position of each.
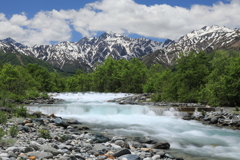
(220, 117)
(51, 137)
(145, 99)
(223, 117)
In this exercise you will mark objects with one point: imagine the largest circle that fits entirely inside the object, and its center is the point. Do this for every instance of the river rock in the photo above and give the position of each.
(13, 149)
(23, 128)
(40, 155)
(73, 121)
(39, 121)
(161, 145)
(169, 156)
(115, 138)
(186, 118)
(129, 157)
(100, 138)
(121, 152)
(7, 109)
(155, 157)
(4, 155)
(47, 148)
(99, 147)
(214, 120)
(29, 124)
(34, 145)
(119, 142)
(59, 122)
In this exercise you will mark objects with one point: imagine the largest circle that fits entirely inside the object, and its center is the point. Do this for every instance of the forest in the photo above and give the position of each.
(207, 78)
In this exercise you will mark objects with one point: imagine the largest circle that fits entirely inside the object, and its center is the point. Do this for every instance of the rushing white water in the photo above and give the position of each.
(134, 120)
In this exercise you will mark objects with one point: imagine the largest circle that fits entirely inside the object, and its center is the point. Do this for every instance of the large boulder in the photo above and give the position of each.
(99, 138)
(60, 122)
(23, 128)
(40, 121)
(121, 152)
(187, 118)
(214, 120)
(73, 121)
(161, 145)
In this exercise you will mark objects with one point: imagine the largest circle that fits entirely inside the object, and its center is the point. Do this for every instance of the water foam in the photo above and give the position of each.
(135, 120)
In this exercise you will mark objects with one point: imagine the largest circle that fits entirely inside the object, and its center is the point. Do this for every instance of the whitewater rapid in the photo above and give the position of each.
(134, 120)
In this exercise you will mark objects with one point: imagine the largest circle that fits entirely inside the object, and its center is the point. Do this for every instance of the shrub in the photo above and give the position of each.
(237, 109)
(3, 117)
(157, 97)
(64, 138)
(44, 134)
(33, 94)
(2, 133)
(10, 105)
(44, 95)
(17, 98)
(203, 112)
(13, 131)
(21, 112)
(8, 142)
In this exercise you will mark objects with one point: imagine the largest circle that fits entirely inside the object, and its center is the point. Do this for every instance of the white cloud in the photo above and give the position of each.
(20, 20)
(2, 17)
(121, 16)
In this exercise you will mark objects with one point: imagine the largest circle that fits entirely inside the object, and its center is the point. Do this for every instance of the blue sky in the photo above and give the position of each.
(46, 21)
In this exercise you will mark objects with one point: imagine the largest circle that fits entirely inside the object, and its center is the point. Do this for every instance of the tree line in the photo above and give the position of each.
(209, 78)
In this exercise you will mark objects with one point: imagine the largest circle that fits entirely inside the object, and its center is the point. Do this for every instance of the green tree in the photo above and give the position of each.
(42, 76)
(190, 76)
(223, 82)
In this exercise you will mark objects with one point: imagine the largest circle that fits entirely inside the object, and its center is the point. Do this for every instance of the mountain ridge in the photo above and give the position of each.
(90, 50)
(206, 39)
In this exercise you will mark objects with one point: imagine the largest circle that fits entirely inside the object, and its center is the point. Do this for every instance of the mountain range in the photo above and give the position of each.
(84, 54)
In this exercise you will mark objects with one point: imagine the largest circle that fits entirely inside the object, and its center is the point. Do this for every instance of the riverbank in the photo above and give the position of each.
(224, 117)
(131, 125)
(51, 137)
(145, 99)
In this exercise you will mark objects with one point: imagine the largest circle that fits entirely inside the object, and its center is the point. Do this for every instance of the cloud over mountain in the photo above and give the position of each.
(122, 16)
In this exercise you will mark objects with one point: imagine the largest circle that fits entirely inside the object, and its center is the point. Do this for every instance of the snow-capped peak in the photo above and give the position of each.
(206, 30)
(12, 41)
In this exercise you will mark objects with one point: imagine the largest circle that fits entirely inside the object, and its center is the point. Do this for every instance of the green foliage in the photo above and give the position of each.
(21, 111)
(156, 97)
(44, 134)
(2, 133)
(3, 98)
(33, 94)
(203, 112)
(3, 117)
(209, 78)
(223, 86)
(111, 76)
(8, 142)
(64, 138)
(13, 131)
(190, 76)
(43, 78)
(237, 109)
(16, 59)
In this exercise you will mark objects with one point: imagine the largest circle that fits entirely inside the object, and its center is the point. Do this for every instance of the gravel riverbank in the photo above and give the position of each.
(225, 117)
(51, 137)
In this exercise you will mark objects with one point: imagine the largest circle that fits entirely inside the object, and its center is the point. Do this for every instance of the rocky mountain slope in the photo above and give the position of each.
(83, 54)
(86, 52)
(207, 39)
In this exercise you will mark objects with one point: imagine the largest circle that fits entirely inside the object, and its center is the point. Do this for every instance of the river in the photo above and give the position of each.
(185, 137)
